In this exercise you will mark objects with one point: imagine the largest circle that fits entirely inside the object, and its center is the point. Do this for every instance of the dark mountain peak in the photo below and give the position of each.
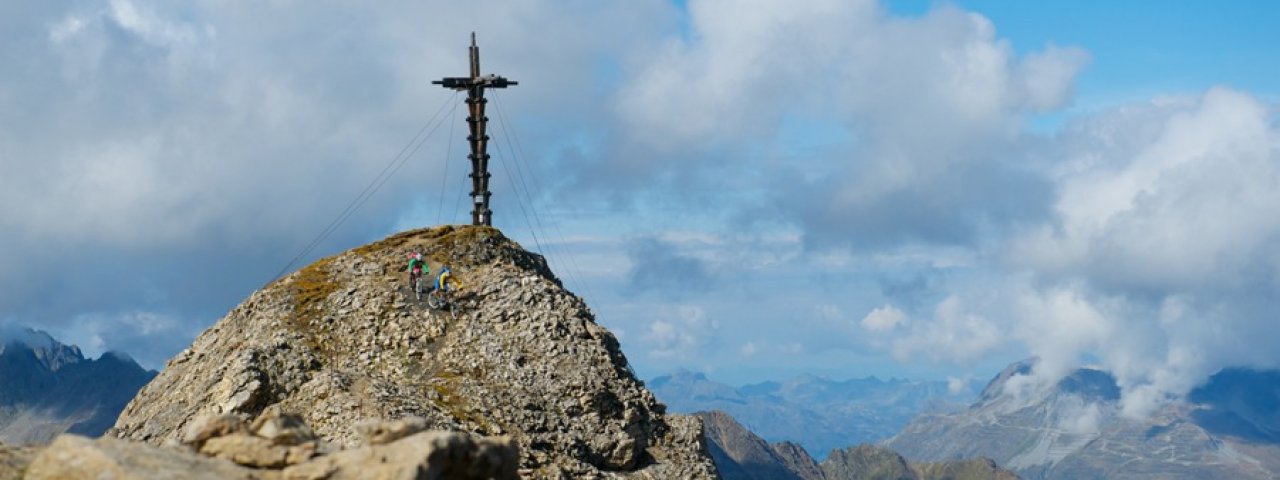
(28, 336)
(1258, 389)
(50, 388)
(121, 358)
(1241, 403)
(51, 354)
(1091, 384)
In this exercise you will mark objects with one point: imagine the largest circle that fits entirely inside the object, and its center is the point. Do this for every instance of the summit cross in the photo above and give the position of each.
(475, 86)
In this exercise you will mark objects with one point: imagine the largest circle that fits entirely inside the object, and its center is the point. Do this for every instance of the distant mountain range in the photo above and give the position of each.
(817, 413)
(741, 455)
(47, 388)
(1227, 428)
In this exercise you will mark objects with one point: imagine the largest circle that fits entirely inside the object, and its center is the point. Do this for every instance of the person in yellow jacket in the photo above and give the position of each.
(445, 279)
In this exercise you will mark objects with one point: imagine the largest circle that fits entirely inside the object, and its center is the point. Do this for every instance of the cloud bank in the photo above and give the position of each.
(868, 180)
(1159, 260)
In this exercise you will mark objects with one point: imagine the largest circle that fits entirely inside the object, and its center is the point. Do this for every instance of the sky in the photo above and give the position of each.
(751, 189)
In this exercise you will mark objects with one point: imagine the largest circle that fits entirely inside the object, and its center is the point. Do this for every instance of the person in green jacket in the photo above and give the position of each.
(417, 268)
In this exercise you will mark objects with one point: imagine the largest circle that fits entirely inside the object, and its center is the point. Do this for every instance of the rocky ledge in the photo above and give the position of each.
(277, 447)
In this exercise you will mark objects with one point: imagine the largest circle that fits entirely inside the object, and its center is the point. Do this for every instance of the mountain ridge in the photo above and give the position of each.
(742, 455)
(1074, 428)
(48, 388)
(818, 413)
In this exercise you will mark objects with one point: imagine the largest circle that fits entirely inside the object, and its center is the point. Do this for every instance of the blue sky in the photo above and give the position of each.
(846, 188)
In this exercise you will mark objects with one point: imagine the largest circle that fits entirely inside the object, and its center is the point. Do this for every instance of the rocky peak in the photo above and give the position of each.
(47, 388)
(344, 339)
(51, 354)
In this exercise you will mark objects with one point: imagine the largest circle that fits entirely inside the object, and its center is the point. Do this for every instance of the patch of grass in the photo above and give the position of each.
(308, 293)
(447, 399)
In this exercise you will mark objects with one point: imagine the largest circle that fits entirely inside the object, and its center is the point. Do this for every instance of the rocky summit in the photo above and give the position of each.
(345, 339)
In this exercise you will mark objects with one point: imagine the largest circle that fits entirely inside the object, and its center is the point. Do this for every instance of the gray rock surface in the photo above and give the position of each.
(740, 454)
(797, 460)
(14, 461)
(213, 452)
(344, 340)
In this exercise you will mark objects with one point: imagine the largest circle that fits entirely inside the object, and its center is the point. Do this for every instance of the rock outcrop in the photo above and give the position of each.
(740, 454)
(344, 339)
(14, 461)
(277, 446)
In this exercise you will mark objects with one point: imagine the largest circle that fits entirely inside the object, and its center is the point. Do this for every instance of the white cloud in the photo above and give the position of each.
(1161, 258)
(679, 332)
(1082, 419)
(748, 350)
(148, 25)
(155, 134)
(956, 332)
(883, 319)
(1191, 205)
(1059, 325)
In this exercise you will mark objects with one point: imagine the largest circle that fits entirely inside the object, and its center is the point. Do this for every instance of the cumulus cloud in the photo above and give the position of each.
(1158, 263)
(958, 331)
(919, 109)
(1161, 258)
(187, 151)
(679, 332)
(883, 319)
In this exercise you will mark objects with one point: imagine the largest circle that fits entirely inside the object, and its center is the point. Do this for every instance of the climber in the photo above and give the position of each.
(417, 268)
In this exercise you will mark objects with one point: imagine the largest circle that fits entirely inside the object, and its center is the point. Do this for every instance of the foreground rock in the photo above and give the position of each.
(226, 447)
(740, 454)
(343, 340)
(14, 461)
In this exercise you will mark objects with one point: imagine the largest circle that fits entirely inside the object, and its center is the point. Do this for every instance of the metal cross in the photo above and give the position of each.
(479, 140)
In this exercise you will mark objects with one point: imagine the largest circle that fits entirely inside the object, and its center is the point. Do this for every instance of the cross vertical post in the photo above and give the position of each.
(477, 122)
